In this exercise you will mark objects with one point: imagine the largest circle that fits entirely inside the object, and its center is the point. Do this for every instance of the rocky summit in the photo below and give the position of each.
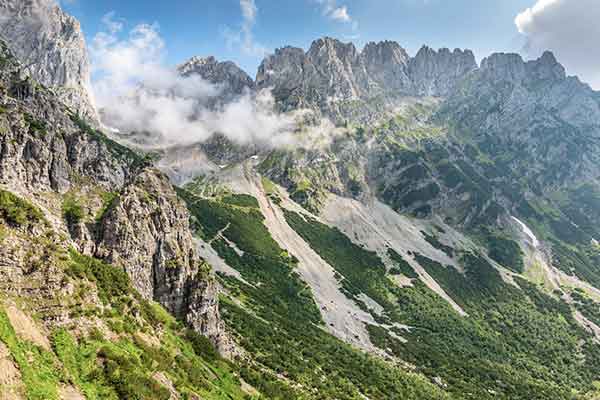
(337, 79)
(428, 229)
(52, 49)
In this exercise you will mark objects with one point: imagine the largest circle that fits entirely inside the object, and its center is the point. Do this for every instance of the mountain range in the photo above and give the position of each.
(429, 231)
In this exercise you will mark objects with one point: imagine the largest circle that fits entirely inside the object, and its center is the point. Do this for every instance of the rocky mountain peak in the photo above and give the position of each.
(341, 71)
(386, 51)
(336, 79)
(504, 66)
(51, 46)
(331, 47)
(226, 74)
(387, 64)
(286, 62)
(434, 73)
(511, 67)
(546, 67)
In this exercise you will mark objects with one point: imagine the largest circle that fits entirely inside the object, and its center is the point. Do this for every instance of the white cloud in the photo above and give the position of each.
(244, 37)
(341, 14)
(249, 10)
(569, 28)
(137, 92)
(332, 10)
(112, 25)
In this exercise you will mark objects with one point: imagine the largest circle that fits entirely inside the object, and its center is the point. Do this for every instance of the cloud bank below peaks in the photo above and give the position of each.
(137, 92)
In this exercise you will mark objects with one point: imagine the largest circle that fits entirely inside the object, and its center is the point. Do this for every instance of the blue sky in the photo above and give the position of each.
(202, 27)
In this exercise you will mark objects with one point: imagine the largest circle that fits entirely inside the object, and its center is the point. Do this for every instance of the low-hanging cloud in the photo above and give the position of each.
(137, 92)
(569, 28)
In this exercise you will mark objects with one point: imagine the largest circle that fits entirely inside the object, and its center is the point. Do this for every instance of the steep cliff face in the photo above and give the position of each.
(146, 231)
(435, 73)
(44, 146)
(52, 48)
(387, 64)
(46, 151)
(345, 84)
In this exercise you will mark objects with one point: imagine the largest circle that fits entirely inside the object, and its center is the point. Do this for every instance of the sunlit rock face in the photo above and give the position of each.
(52, 49)
(350, 85)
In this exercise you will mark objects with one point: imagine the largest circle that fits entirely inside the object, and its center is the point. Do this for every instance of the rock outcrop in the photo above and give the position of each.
(44, 146)
(387, 64)
(51, 47)
(535, 106)
(146, 231)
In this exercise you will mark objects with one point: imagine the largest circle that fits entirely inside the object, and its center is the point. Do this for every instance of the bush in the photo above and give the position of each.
(113, 283)
(108, 199)
(17, 211)
(123, 372)
(241, 200)
(402, 266)
(36, 126)
(202, 346)
(506, 252)
(72, 210)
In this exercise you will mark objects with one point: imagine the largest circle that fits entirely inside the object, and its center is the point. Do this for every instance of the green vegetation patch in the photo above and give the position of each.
(401, 265)
(506, 252)
(39, 370)
(108, 199)
(241, 200)
(588, 307)
(125, 368)
(504, 324)
(17, 211)
(363, 270)
(72, 209)
(35, 125)
(114, 286)
(276, 320)
(435, 242)
(422, 195)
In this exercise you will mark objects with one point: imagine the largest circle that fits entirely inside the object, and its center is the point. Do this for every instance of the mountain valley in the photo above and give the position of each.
(425, 228)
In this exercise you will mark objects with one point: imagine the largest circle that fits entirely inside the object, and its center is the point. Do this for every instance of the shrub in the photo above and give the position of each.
(402, 266)
(123, 372)
(108, 199)
(72, 210)
(506, 252)
(36, 126)
(113, 283)
(202, 346)
(241, 200)
(17, 211)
